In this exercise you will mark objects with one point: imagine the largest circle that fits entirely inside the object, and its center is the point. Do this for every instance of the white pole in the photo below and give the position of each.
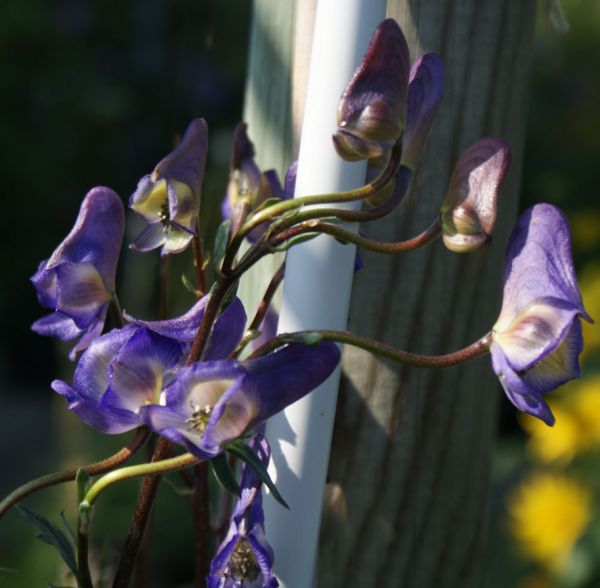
(316, 291)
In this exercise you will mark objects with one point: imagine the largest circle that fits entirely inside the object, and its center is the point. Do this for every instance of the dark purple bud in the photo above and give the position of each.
(468, 213)
(425, 90)
(372, 111)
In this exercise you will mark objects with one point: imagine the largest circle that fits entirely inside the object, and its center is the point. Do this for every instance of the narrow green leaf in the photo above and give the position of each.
(241, 450)
(8, 571)
(67, 527)
(83, 482)
(220, 245)
(223, 474)
(51, 534)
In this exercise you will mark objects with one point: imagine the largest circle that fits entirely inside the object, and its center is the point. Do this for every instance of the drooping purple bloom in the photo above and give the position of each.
(169, 198)
(78, 280)
(248, 187)
(425, 91)
(468, 213)
(244, 558)
(125, 371)
(372, 110)
(212, 403)
(537, 339)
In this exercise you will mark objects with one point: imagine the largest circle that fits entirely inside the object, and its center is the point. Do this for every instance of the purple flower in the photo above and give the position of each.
(425, 90)
(213, 403)
(248, 188)
(372, 110)
(244, 558)
(169, 198)
(468, 213)
(537, 339)
(124, 372)
(78, 280)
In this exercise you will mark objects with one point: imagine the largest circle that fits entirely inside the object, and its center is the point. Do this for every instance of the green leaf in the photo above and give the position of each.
(221, 241)
(229, 297)
(51, 534)
(83, 482)
(8, 571)
(243, 452)
(223, 474)
(68, 529)
(295, 241)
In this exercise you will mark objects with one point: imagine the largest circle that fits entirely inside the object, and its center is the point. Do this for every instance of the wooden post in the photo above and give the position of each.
(409, 470)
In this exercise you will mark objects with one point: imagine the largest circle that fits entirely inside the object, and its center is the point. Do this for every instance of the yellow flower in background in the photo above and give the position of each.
(577, 427)
(586, 407)
(589, 282)
(585, 227)
(547, 513)
(558, 443)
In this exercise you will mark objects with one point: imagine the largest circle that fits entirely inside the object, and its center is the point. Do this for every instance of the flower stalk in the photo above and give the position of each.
(312, 337)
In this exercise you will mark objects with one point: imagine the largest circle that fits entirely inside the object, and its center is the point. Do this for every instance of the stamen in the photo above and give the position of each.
(200, 417)
(242, 563)
(165, 216)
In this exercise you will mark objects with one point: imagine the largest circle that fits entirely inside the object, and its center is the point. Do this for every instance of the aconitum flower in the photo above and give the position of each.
(212, 403)
(125, 371)
(244, 558)
(468, 213)
(169, 198)
(78, 279)
(537, 339)
(248, 187)
(372, 110)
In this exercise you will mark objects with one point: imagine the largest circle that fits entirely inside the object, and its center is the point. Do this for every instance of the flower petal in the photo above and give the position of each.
(150, 238)
(150, 199)
(525, 398)
(57, 325)
(536, 332)
(538, 264)
(108, 420)
(91, 374)
(137, 371)
(96, 237)
(227, 331)
(271, 383)
(80, 292)
(425, 90)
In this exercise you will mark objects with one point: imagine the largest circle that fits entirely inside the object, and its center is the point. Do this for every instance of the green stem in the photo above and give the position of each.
(480, 347)
(153, 468)
(199, 265)
(428, 235)
(83, 568)
(280, 208)
(101, 467)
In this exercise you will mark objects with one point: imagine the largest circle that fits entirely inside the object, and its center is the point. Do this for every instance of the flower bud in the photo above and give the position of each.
(372, 111)
(425, 90)
(468, 213)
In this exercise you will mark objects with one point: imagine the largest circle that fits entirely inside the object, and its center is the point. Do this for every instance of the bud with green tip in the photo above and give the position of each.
(468, 213)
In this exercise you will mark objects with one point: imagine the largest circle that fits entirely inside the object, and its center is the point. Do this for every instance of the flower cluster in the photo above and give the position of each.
(187, 380)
